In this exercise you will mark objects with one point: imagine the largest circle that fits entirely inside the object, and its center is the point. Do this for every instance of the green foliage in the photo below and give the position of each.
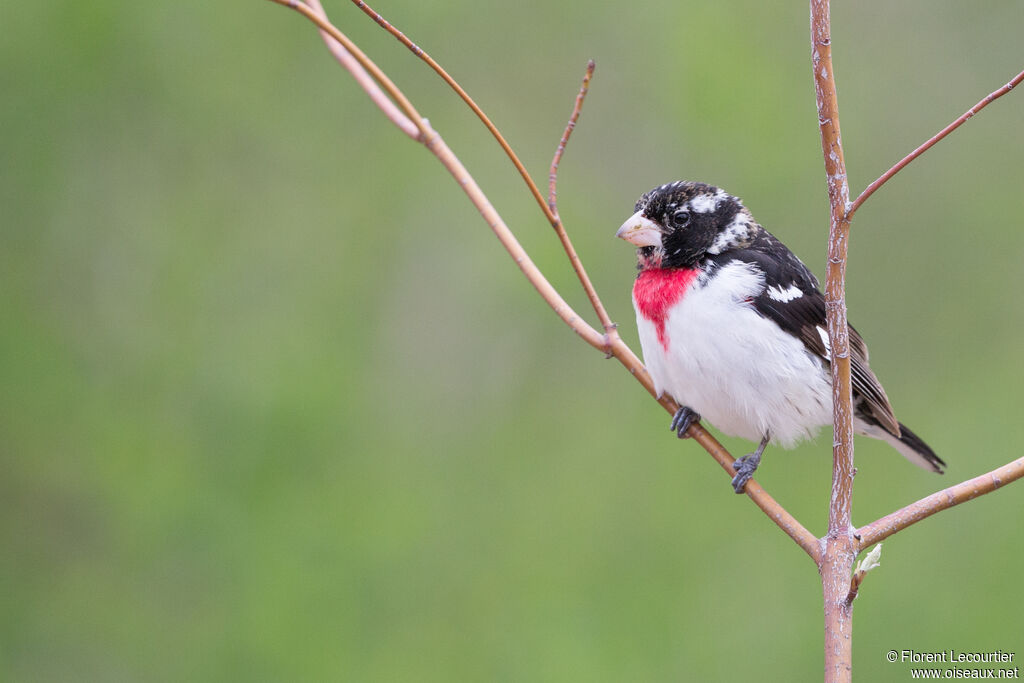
(276, 406)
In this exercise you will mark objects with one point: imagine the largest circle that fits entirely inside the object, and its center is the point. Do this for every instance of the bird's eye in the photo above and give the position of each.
(681, 217)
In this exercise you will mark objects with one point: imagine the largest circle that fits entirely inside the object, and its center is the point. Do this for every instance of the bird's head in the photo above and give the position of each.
(677, 224)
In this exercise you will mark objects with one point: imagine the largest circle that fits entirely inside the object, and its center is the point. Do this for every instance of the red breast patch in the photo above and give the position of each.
(657, 290)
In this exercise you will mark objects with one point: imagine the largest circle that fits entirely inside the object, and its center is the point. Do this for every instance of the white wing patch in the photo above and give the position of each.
(777, 293)
(823, 333)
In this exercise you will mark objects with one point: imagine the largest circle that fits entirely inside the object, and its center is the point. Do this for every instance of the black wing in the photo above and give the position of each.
(803, 315)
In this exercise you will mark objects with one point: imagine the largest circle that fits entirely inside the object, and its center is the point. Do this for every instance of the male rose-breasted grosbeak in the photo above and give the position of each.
(732, 326)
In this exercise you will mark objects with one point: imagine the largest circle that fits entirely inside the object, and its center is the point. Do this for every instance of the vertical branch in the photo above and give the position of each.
(835, 280)
(839, 548)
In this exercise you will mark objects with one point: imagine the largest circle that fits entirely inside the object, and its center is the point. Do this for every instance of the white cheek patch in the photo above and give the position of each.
(706, 203)
(735, 230)
(776, 293)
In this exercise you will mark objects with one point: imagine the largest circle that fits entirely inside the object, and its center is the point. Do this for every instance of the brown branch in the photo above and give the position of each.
(454, 85)
(835, 280)
(882, 528)
(447, 157)
(436, 145)
(611, 332)
(838, 553)
(609, 342)
(962, 119)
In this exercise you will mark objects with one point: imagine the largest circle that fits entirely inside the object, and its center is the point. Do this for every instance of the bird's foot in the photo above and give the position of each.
(682, 420)
(746, 466)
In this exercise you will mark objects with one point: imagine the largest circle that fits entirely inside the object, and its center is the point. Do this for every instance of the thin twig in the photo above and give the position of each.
(882, 528)
(365, 81)
(610, 328)
(511, 244)
(454, 85)
(379, 76)
(573, 118)
(436, 145)
(556, 223)
(962, 119)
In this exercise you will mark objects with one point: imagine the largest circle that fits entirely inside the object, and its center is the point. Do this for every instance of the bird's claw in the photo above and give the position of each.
(745, 468)
(682, 420)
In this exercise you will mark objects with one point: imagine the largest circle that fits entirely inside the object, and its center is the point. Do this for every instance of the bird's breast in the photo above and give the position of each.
(657, 290)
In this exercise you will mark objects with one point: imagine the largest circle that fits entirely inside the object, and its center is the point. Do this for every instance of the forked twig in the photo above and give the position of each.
(364, 62)
(363, 79)
(610, 330)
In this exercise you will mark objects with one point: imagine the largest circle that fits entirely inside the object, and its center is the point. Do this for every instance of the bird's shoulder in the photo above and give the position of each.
(786, 279)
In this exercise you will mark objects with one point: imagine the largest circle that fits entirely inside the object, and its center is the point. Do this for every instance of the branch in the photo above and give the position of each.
(962, 119)
(437, 146)
(838, 553)
(609, 342)
(937, 502)
(549, 212)
(835, 280)
(364, 62)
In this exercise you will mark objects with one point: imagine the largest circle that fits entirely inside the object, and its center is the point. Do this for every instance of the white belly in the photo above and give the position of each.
(740, 371)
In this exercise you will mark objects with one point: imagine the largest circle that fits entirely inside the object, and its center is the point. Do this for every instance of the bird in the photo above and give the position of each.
(732, 327)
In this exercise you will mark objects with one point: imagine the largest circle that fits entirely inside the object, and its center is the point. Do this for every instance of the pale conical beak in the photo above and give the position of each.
(641, 231)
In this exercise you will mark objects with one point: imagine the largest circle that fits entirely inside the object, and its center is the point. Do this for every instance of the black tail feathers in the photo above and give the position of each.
(913, 442)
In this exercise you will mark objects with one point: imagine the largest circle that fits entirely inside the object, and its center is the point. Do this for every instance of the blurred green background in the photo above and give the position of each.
(277, 407)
